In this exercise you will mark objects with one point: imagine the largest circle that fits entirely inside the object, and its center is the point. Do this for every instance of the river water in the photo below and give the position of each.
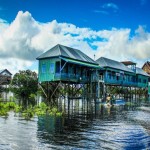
(108, 128)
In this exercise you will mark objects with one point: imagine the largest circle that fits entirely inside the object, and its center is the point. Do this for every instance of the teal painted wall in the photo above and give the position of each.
(47, 69)
(75, 73)
(114, 76)
(142, 81)
(125, 79)
(149, 88)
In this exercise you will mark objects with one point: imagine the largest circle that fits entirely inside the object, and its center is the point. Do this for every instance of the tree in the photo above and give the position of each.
(24, 84)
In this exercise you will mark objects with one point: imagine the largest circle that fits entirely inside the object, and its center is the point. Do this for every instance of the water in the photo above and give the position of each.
(107, 128)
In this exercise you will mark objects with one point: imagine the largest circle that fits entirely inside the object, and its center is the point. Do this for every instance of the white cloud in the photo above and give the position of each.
(25, 39)
(118, 45)
(110, 5)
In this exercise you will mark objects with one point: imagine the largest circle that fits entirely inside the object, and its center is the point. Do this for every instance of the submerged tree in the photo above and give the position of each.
(24, 84)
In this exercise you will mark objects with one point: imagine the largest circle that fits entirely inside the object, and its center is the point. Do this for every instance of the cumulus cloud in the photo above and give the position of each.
(119, 45)
(25, 38)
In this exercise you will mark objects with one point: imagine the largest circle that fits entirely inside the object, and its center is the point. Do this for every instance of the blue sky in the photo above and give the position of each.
(95, 14)
(116, 29)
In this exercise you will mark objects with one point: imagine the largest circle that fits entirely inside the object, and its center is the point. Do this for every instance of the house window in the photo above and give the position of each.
(58, 67)
(43, 68)
(117, 78)
(109, 75)
(117, 75)
(144, 81)
(133, 79)
(139, 80)
(52, 67)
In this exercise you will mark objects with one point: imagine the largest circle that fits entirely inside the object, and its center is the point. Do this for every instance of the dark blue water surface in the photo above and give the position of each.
(117, 128)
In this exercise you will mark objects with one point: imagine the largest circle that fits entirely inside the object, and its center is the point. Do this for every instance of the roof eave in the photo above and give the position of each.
(80, 60)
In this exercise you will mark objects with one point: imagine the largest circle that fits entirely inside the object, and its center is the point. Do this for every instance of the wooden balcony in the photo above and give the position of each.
(71, 77)
(120, 82)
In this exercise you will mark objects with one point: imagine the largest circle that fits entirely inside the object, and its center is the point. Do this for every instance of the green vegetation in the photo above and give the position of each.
(29, 112)
(40, 110)
(6, 107)
(24, 85)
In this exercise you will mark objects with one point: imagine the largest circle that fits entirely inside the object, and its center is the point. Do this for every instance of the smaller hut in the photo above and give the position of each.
(146, 67)
(5, 77)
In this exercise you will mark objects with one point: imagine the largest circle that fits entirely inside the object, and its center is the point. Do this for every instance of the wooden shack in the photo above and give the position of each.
(5, 77)
(146, 67)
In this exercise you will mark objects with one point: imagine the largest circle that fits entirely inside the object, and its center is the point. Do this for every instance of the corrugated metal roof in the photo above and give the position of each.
(141, 71)
(64, 51)
(105, 62)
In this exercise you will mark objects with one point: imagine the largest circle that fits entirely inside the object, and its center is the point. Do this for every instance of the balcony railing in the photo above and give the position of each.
(120, 82)
(71, 77)
(142, 85)
(125, 83)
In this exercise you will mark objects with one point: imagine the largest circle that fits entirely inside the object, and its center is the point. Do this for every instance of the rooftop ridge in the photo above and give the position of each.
(65, 51)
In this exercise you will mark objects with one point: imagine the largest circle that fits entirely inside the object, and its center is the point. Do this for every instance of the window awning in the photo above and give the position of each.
(81, 63)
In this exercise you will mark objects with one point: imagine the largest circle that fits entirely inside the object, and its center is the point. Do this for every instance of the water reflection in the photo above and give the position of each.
(102, 128)
(83, 127)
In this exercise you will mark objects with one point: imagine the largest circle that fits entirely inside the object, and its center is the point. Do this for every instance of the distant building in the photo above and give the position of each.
(146, 67)
(5, 77)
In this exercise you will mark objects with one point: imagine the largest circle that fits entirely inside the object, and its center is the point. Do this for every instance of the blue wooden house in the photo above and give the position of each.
(141, 78)
(141, 75)
(116, 73)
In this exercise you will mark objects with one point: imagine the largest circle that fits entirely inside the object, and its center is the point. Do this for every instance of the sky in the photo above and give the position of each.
(116, 29)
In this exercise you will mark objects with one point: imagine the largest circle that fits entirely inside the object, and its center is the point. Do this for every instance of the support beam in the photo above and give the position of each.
(40, 86)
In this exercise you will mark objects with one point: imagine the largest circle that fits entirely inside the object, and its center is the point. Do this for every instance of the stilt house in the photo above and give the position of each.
(116, 73)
